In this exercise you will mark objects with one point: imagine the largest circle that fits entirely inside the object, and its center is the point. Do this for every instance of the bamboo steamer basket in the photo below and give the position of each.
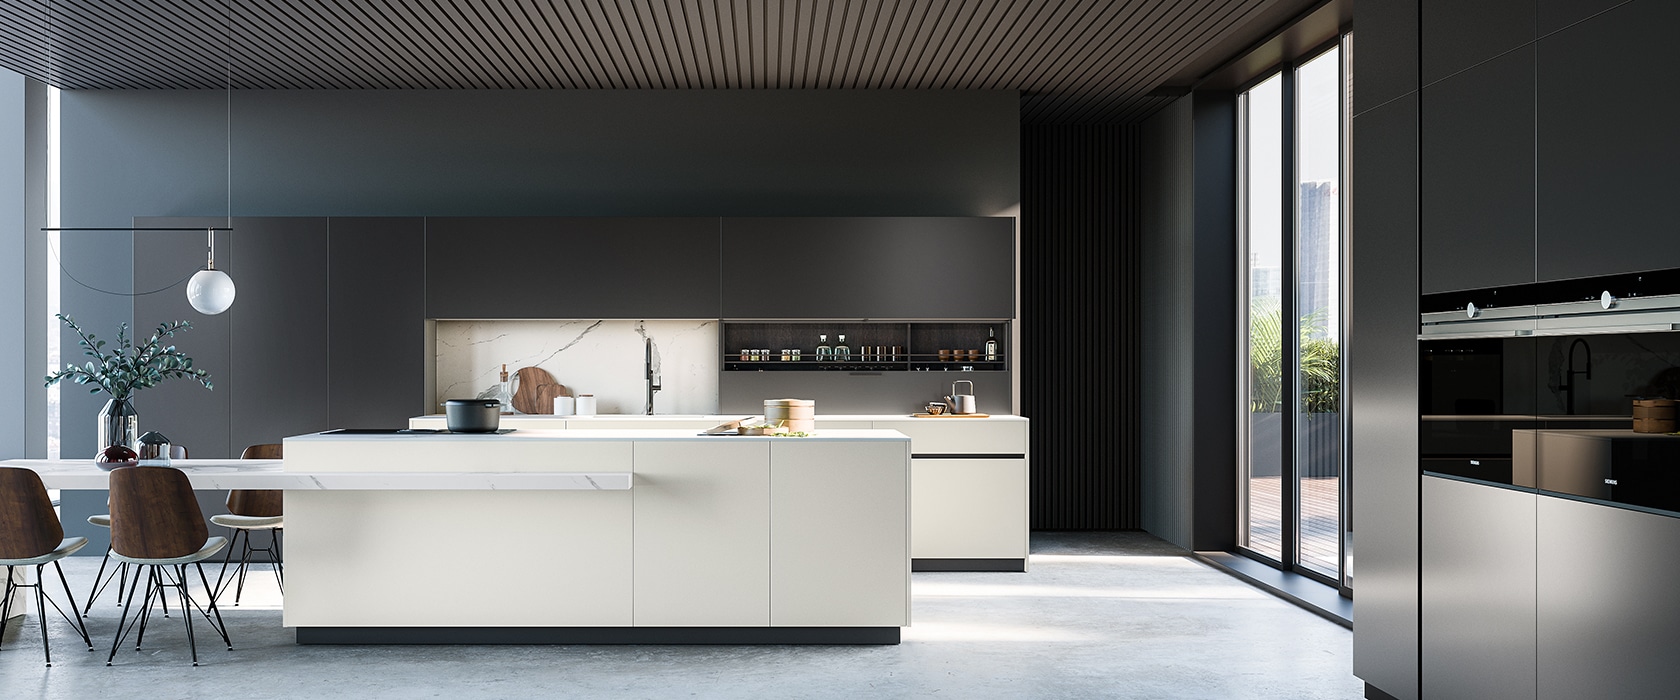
(797, 415)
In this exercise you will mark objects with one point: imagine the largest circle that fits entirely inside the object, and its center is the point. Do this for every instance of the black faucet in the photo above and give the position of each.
(1569, 385)
(652, 375)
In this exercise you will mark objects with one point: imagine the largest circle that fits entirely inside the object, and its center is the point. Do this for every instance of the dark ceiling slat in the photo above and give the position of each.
(572, 40)
(514, 30)
(1075, 61)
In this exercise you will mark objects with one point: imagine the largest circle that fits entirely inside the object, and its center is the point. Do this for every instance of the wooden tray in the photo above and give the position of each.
(951, 415)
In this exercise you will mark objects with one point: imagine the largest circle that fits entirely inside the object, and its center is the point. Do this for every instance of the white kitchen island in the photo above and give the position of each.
(969, 478)
(715, 540)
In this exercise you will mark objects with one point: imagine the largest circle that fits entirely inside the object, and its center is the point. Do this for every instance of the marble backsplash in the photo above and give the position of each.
(604, 358)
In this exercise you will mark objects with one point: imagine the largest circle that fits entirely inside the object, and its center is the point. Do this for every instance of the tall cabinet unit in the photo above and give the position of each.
(376, 316)
(1478, 592)
(1382, 347)
(1606, 143)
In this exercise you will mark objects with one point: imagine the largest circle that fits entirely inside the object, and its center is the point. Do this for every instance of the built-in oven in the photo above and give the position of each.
(1532, 387)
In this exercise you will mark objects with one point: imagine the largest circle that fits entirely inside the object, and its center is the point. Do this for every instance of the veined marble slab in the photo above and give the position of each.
(219, 474)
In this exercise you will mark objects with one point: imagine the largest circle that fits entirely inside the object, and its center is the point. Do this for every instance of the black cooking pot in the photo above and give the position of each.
(472, 415)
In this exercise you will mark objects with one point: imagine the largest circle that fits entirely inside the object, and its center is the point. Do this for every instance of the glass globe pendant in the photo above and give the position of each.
(210, 291)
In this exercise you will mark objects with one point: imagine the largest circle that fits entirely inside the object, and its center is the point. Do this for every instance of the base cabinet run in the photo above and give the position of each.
(1537, 596)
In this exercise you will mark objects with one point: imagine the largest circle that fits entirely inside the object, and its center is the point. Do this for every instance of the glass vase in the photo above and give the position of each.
(119, 424)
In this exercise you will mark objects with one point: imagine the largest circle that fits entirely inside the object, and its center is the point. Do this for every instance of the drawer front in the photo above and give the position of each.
(961, 435)
(968, 508)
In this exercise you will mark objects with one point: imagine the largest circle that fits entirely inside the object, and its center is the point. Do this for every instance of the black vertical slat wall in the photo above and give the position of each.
(1079, 324)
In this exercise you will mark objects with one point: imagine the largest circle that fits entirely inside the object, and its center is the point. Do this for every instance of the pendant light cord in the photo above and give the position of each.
(72, 278)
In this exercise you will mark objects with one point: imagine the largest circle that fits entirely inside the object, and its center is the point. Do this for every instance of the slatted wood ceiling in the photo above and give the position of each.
(1075, 61)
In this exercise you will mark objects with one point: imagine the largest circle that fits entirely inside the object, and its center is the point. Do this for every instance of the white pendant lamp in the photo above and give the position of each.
(210, 291)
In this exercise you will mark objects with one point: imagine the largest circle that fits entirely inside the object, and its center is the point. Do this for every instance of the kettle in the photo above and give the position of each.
(962, 403)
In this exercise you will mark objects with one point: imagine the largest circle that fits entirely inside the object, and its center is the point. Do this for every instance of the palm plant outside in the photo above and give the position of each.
(1320, 362)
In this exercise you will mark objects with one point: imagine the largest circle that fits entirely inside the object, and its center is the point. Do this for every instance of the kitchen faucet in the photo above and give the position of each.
(652, 374)
(1569, 385)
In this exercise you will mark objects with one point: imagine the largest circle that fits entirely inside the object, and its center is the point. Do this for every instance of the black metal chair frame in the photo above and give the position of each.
(41, 601)
(273, 551)
(155, 585)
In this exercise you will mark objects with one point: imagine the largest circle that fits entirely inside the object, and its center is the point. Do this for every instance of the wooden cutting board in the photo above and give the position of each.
(536, 392)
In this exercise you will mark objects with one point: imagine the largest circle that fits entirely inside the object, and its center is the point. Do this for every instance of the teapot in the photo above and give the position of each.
(962, 403)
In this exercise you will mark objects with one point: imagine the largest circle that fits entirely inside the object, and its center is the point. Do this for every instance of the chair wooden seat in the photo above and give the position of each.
(31, 535)
(100, 580)
(248, 511)
(156, 525)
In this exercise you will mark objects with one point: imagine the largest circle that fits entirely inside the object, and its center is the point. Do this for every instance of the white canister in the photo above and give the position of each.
(564, 405)
(586, 404)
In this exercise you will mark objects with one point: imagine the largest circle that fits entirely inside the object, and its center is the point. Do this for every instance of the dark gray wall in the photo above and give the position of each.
(1190, 344)
(503, 153)
(16, 381)
(1168, 429)
(537, 152)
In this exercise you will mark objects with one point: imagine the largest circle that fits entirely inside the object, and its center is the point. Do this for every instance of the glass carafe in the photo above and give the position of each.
(824, 352)
(842, 351)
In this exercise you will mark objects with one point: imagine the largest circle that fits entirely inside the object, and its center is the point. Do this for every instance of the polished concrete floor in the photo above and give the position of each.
(1101, 615)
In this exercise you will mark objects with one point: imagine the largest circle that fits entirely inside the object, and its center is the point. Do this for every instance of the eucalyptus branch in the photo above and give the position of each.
(128, 368)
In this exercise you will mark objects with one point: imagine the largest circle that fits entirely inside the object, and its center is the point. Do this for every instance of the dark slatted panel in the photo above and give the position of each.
(1075, 61)
(1079, 324)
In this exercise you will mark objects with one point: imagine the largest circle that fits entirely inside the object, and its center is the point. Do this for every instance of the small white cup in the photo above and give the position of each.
(564, 405)
(586, 404)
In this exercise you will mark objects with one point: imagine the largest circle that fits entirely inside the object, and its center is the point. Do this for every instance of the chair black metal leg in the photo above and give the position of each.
(117, 641)
(226, 559)
(80, 624)
(97, 578)
(154, 587)
(220, 625)
(244, 567)
(186, 609)
(6, 603)
(279, 561)
(41, 608)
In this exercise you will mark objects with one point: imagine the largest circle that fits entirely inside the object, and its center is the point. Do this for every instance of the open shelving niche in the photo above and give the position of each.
(872, 344)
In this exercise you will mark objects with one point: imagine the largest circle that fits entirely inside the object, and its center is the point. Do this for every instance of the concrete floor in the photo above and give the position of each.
(1101, 615)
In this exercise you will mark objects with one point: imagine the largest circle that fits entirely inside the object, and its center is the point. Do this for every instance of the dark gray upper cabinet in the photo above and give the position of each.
(192, 417)
(1607, 143)
(277, 329)
(534, 267)
(1606, 617)
(869, 267)
(1477, 176)
(1458, 34)
(376, 316)
(1386, 59)
(1557, 14)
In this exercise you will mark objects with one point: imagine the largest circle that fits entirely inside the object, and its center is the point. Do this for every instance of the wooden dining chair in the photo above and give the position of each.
(156, 525)
(100, 580)
(248, 511)
(31, 535)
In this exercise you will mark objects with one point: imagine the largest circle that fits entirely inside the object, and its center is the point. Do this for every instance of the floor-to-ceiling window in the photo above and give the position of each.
(1293, 466)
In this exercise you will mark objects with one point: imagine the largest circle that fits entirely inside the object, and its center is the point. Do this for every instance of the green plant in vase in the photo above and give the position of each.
(124, 371)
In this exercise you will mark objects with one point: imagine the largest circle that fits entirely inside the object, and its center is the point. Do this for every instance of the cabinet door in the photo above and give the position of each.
(1477, 184)
(376, 313)
(587, 268)
(1457, 34)
(1607, 145)
(869, 267)
(182, 409)
(968, 508)
(1607, 616)
(277, 330)
(839, 534)
(1478, 591)
(702, 523)
(1387, 59)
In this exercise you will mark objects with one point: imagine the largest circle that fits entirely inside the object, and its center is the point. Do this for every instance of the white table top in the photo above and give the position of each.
(219, 474)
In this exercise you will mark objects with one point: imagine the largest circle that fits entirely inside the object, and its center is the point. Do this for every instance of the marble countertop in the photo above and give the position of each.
(219, 474)
(585, 435)
(729, 417)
